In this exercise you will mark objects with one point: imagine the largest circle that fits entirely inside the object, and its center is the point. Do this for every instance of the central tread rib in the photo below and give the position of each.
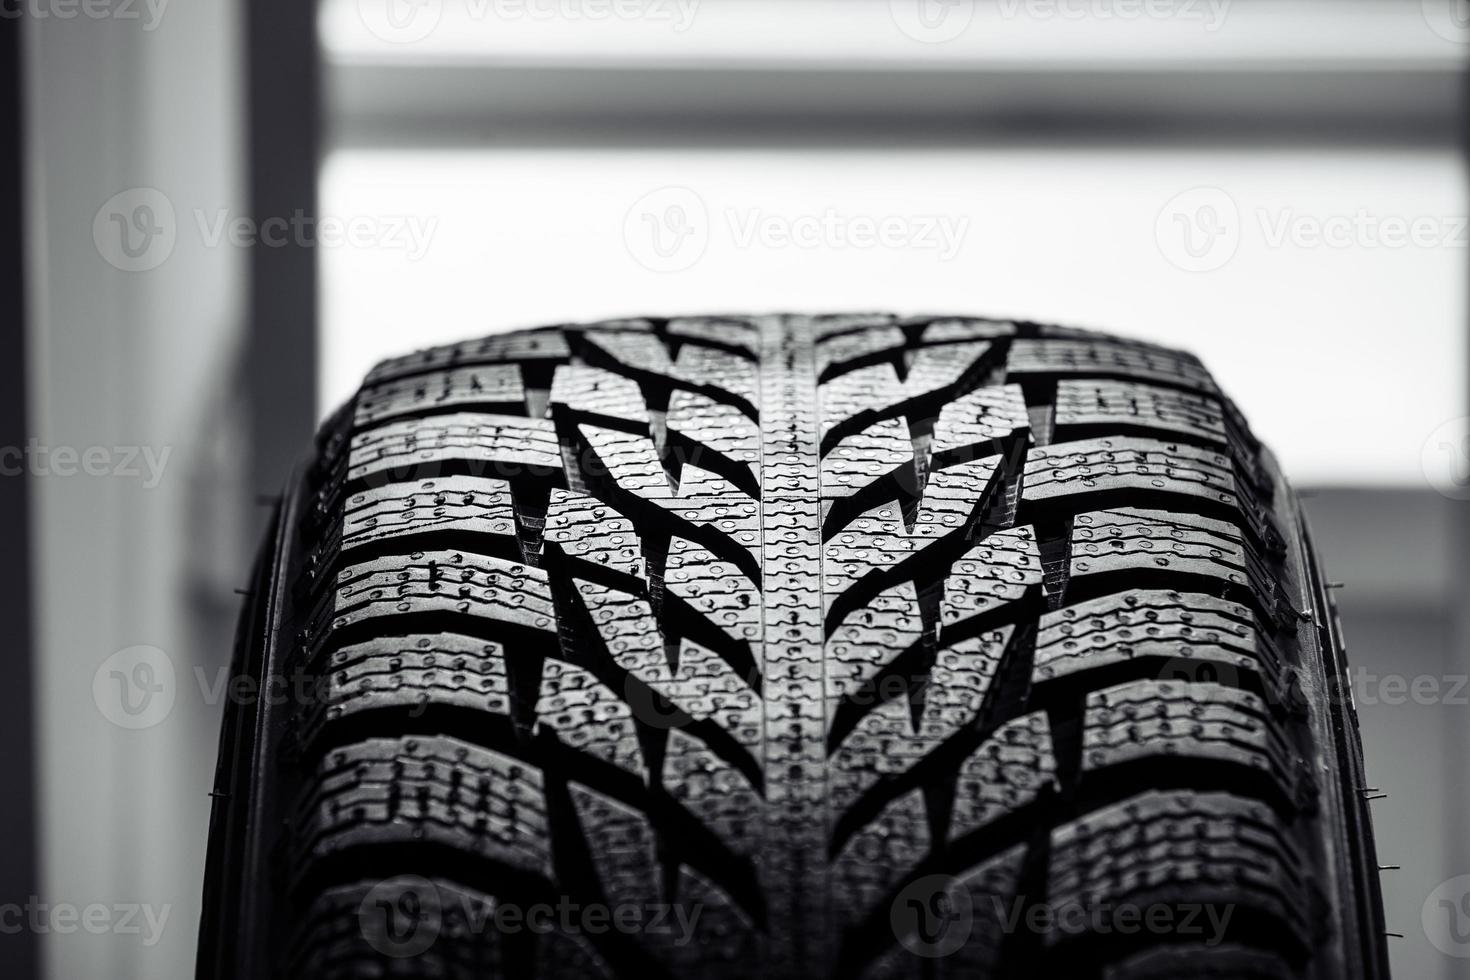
(794, 666)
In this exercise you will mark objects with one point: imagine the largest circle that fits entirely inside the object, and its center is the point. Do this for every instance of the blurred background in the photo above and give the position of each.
(221, 213)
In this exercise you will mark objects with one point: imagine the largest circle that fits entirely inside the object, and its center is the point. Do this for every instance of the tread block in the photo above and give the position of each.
(839, 354)
(716, 939)
(717, 591)
(400, 926)
(521, 346)
(735, 523)
(597, 393)
(453, 503)
(711, 367)
(937, 368)
(1113, 358)
(1071, 469)
(1199, 637)
(998, 570)
(869, 394)
(1010, 770)
(1164, 847)
(885, 744)
(493, 388)
(721, 331)
(644, 357)
(631, 348)
(628, 629)
(386, 791)
(410, 674)
(958, 683)
(441, 582)
(1090, 405)
(622, 845)
(587, 529)
(502, 446)
(876, 543)
(968, 913)
(882, 746)
(992, 887)
(954, 496)
(1133, 540)
(859, 398)
(714, 791)
(825, 326)
(631, 461)
(712, 430)
(1149, 720)
(973, 425)
(884, 449)
(706, 687)
(949, 330)
(870, 638)
(702, 685)
(588, 716)
(877, 857)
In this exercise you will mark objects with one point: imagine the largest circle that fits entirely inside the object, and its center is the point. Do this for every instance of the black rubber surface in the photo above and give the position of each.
(793, 647)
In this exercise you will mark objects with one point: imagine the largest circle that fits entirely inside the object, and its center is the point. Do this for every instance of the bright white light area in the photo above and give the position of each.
(938, 33)
(1337, 321)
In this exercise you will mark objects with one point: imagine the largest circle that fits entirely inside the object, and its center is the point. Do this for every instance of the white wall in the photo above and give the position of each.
(1346, 355)
(131, 359)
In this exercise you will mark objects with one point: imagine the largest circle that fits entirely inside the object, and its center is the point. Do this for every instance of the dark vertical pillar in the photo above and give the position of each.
(284, 141)
(18, 862)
